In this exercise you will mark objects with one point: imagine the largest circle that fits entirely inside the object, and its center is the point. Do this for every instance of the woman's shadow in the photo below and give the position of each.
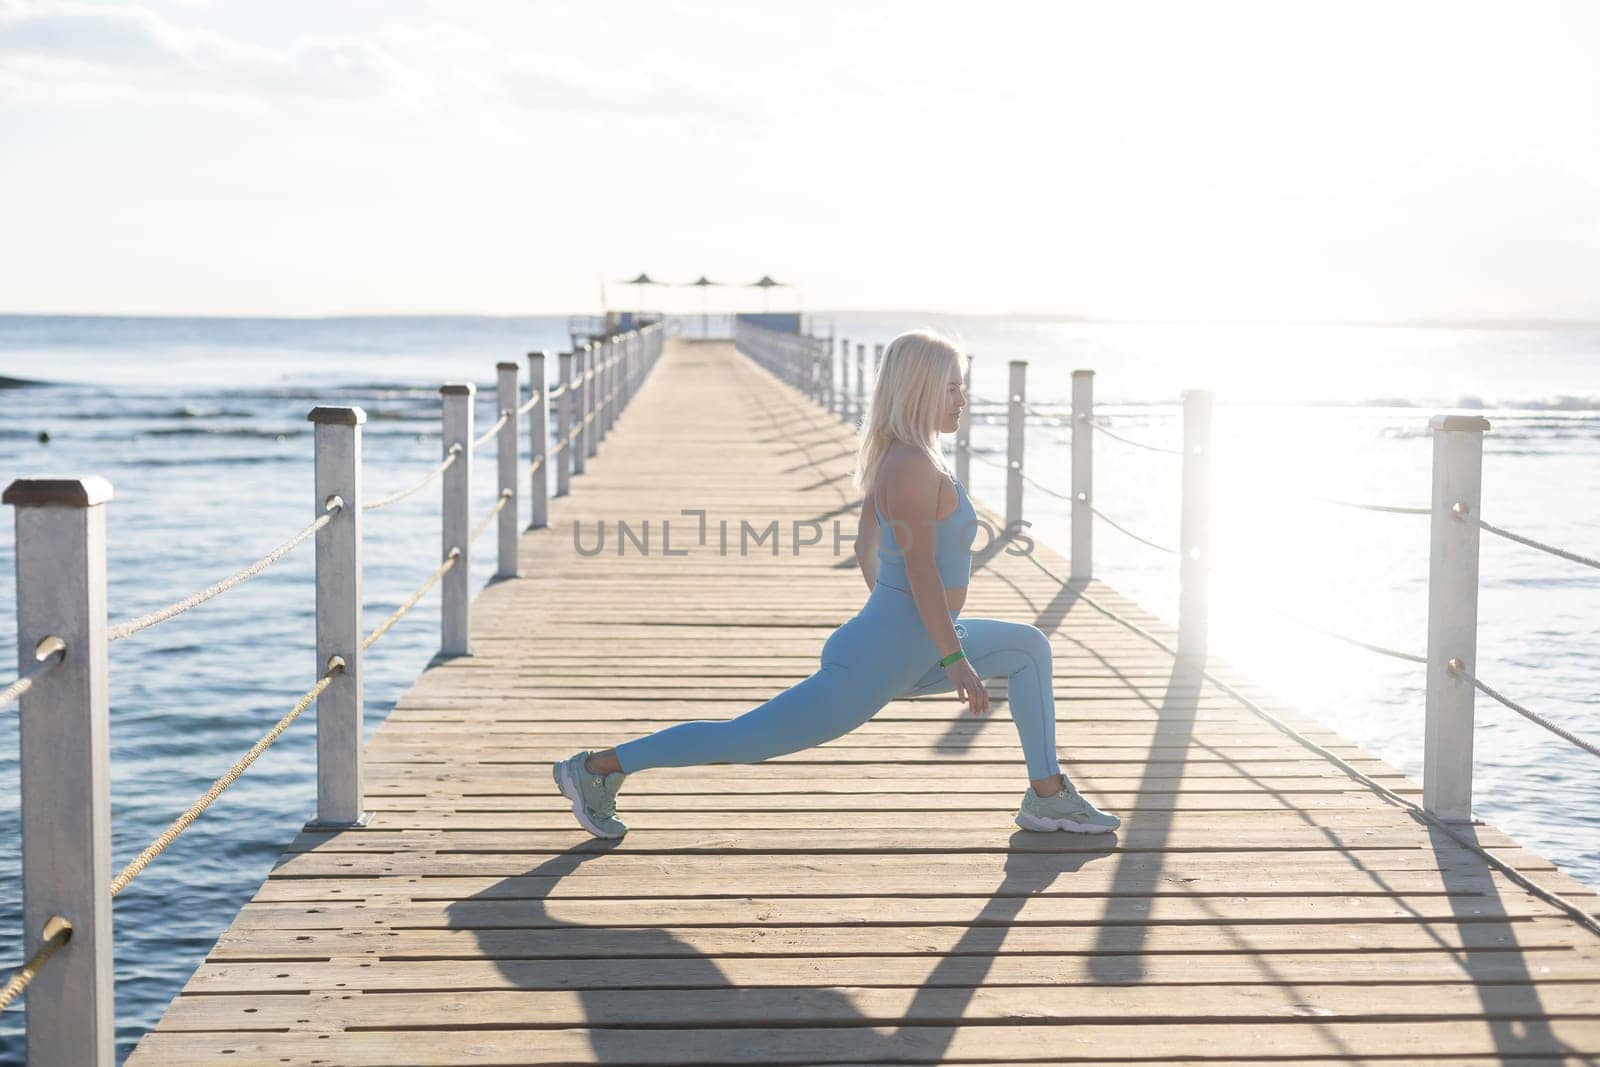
(649, 995)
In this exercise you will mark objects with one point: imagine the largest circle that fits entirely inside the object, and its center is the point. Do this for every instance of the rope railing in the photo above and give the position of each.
(57, 932)
(61, 563)
(411, 601)
(395, 498)
(1522, 539)
(1115, 525)
(181, 823)
(144, 622)
(50, 651)
(488, 435)
(1062, 418)
(1102, 428)
(981, 458)
(1460, 670)
(1389, 509)
(483, 523)
(1235, 588)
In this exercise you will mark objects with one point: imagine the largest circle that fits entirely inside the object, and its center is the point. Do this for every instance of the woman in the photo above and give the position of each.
(905, 641)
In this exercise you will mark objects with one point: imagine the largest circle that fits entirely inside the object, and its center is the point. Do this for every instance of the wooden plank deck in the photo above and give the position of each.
(869, 901)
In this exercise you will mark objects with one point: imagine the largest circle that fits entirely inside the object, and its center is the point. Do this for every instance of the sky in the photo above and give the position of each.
(1223, 161)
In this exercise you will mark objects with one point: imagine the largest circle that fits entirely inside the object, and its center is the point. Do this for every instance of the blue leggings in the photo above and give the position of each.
(883, 653)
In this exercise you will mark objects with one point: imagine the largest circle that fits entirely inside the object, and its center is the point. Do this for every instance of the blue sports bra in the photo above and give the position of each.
(952, 549)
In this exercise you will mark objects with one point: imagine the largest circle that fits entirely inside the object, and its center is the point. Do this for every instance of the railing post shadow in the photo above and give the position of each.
(1452, 615)
(455, 608)
(65, 779)
(1194, 527)
(564, 439)
(1082, 557)
(507, 389)
(341, 798)
(538, 443)
(1016, 423)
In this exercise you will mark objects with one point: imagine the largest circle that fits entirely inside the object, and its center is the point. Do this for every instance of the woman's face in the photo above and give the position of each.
(955, 399)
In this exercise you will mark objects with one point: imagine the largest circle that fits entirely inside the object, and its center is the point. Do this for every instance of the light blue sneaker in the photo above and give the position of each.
(594, 798)
(1066, 810)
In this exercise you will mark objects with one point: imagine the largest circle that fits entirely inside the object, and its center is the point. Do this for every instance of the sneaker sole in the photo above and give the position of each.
(1033, 822)
(570, 790)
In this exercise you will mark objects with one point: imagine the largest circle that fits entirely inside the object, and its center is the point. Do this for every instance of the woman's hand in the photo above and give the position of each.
(969, 687)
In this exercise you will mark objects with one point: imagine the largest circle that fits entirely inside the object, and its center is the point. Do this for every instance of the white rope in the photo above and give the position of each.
(26, 679)
(1382, 650)
(483, 524)
(532, 400)
(1103, 428)
(1459, 669)
(1045, 488)
(1389, 509)
(395, 498)
(1540, 545)
(980, 457)
(488, 435)
(1063, 418)
(181, 823)
(144, 622)
(411, 601)
(57, 932)
(1114, 524)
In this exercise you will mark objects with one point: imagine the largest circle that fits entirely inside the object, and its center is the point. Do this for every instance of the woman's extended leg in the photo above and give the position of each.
(1019, 652)
(863, 665)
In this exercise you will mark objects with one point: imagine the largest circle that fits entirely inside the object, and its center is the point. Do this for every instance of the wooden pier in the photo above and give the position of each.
(869, 901)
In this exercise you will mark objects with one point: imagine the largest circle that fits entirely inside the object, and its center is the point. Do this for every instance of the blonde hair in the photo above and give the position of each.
(907, 400)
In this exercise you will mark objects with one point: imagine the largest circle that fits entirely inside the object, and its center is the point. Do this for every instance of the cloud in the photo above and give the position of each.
(630, 95)
(53, 46)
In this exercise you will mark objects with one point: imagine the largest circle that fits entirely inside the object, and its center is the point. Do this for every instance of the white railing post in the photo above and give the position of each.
(341, 796)
(591, 399)
(1452, 615)
(843, 397)
(964, 434)
(1194, 527)
(579, 449)
(860, 404)
(1016, 414)
(877, 364)
(564, 457)
(629, 344)
(827, 381)
(538, 443)
(1082, 475)
(455, 607)
(64, 749)
(507, 398)
(602, 390)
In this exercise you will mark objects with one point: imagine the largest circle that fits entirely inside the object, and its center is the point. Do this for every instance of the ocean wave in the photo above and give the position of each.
(224, 431)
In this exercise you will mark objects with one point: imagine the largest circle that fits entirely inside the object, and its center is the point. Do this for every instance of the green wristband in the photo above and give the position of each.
(952, 657)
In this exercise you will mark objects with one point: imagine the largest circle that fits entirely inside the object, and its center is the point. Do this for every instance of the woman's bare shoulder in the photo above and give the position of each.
(909, 480)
